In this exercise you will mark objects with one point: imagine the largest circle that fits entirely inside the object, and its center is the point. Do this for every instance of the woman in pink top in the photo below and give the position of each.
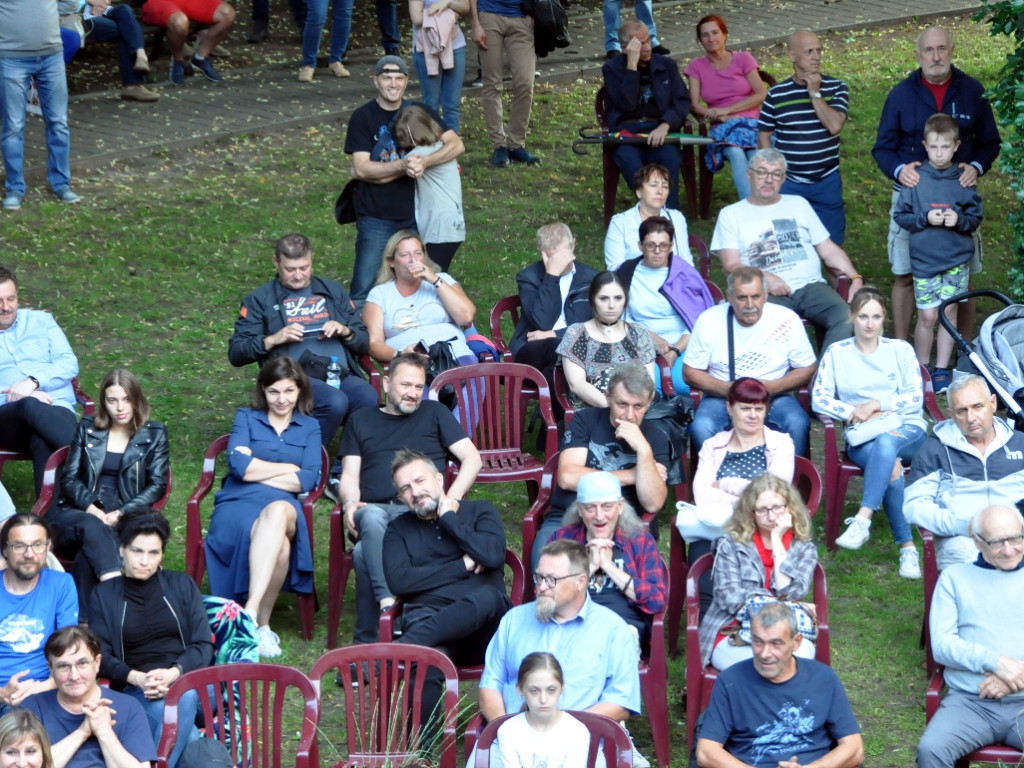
(726, 91)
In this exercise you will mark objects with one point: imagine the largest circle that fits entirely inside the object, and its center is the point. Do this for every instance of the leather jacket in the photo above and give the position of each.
(145, 467)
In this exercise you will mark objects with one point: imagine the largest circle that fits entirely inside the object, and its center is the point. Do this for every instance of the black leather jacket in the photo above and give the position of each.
(145, 466)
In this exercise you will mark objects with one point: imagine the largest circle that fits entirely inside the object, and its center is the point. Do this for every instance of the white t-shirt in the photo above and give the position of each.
(777, 238)
(520, 746)
(766, 350)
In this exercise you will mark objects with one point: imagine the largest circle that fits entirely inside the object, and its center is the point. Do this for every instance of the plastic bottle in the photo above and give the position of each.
(334, 373)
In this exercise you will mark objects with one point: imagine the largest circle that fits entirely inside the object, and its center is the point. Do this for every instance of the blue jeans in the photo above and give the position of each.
(188, 709)
(826, 198)
(387, 19)
(443, 92)
(371, 236)
(785, 415)
(737, 157)
(877, 458)
(644, 12)
(368, 554)
(15, 75)
(118, 25)
(341, 26)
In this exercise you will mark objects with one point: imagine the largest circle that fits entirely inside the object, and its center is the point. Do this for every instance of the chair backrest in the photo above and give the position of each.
(601, 110)
(807, 481)
(535, 516)
(931, 401)
(510, 305)
(382, 685)
(490, 407)
(249, 705)
(604, 732)
(700, 249)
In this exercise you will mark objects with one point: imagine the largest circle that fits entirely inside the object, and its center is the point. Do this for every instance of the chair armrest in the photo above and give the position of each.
(386, 624)
(933, 694)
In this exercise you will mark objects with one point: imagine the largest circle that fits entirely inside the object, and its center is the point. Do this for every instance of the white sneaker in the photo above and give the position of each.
(269, 642)
(856, 533)
(639, 761)
(910, 567)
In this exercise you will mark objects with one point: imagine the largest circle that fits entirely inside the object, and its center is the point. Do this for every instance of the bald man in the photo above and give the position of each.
(802, 117)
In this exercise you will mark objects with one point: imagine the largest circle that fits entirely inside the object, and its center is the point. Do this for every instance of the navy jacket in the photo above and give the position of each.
(622, 91)
(542, 301)
(910, 104)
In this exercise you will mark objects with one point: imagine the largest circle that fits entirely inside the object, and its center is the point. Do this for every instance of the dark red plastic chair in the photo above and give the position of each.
(700, 679)
(840, 468)
(509, 305)
(605, 732)
(248, 713)
(88, 409)
(806, 480)
(382, 710)
(654, 684)
(195, 554)
(492, 409)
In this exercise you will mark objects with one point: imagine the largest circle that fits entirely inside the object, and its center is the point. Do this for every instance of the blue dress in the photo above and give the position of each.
(239, 503)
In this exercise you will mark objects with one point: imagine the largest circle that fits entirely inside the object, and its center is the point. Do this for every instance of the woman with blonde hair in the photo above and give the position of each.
(766, 551)
(24, 742)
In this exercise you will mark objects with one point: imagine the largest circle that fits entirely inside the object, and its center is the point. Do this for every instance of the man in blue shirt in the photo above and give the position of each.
(775, 712)
(37, 399)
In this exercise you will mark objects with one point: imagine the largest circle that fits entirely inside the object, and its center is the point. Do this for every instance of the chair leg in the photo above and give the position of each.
(655, 695)
(688, 179)
(337, 583)
(610, 178)
(677, 589)
(307, 609)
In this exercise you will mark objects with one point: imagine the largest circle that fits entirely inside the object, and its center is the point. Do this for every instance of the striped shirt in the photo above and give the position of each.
(812, 153)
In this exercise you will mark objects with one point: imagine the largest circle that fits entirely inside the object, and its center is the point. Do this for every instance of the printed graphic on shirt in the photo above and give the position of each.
(310, 311)
(772, 248)
(787, 734)
(609, 457)
(23, 633)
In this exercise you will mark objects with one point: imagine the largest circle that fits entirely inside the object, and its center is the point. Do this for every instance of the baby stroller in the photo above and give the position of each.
(997, 352)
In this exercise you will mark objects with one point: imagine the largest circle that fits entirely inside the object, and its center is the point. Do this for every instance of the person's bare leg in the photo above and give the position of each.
(944, 344)
(177, 35)
(966, 313)
(902, 306)
(269, 548)
(924, 333)
(223, 21)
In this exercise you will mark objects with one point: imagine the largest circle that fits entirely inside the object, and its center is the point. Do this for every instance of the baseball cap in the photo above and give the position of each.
(391, 61)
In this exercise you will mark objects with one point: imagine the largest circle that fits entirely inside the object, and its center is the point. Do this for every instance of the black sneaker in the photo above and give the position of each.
(260, 30)
(478, 81)
(521, 155)
(331, 489)
(500, 159)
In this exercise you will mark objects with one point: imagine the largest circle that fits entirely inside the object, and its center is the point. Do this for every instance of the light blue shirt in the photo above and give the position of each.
(596, 649)
(36, 346)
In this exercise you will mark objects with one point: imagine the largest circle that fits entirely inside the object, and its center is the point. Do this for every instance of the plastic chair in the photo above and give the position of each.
(705, 177)
(604, 732)
(840, 468)
(508, 305)
(492, 411)
(610, 171)
(806, 480)
(382, 709)
(700, 679)
(654, 684)
(88, 409)
(255, 710)
(195, 554)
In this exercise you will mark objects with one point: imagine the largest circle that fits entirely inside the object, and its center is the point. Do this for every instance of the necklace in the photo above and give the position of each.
(609, 329)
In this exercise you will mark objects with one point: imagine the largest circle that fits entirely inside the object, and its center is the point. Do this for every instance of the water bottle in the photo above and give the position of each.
(334, 373)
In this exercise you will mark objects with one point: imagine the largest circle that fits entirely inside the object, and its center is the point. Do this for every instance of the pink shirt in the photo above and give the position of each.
(722, 87)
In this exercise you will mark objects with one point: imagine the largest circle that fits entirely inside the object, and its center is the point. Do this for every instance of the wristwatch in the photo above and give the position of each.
(816, 95)
(34, 380)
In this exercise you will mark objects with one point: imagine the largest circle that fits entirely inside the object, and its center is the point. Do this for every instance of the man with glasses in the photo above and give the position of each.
(968, 463)
(978, 635)
(34, 602)
(89, 726)
(783, 236)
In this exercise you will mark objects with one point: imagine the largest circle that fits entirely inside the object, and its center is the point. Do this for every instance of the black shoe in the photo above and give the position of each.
(393, 50)
(260, 30)
(661, 50)
(478, 81)
(520, 155)
(500, 159)
(612, 53)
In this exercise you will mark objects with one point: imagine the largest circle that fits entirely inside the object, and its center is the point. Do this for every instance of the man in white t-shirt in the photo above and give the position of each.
(769, 344)
(782, 235)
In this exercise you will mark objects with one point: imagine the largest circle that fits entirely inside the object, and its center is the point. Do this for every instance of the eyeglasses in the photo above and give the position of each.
(63, 668)
(762, 173)
(19, 547)
(1013, 541)
(550, 581)
(656, 247)
(774, 511)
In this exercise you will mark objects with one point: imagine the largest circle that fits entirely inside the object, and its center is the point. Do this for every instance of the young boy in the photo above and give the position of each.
(940, 215)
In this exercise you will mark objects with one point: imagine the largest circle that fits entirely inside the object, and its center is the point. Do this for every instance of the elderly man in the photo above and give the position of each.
(802, 117)
(310, 319)
(89, 726)
(783, 236)
(615, 439)
(980, 643)
(37, 399)
(554, 295)
(644, 93)
(966, 464)
(749, 337)
(385, 201)
(777, 711)
(366, 490)
(35, 601)
(936, 86)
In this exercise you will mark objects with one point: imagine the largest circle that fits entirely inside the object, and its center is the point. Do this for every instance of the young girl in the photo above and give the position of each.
(439, 216)
(541, 736)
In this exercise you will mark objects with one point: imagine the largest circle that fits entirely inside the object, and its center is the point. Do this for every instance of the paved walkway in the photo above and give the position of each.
(260, 99)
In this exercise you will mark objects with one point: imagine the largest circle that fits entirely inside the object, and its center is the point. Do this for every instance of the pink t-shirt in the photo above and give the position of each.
(722, 87)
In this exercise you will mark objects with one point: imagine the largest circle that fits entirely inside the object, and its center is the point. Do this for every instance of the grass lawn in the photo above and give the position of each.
(148, 272)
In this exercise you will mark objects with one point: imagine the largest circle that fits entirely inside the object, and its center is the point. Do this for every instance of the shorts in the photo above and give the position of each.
(929, 292)
(159, 12)
(899, 245)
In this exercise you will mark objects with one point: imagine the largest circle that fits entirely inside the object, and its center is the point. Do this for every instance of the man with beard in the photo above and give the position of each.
(367, 494)
(34, 602)
(595, 647)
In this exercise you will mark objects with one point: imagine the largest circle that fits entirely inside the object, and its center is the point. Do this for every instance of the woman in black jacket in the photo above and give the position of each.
(118, 462)
(152, 625)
